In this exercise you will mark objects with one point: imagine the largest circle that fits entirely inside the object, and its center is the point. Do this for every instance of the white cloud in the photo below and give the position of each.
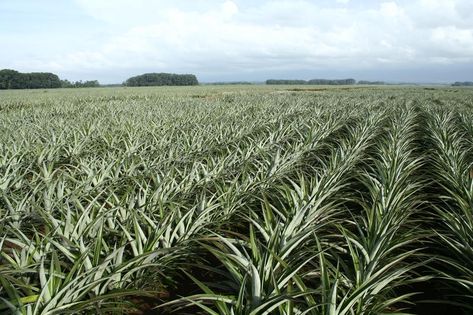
(220, 36)
(454, 42)
(390, 9)
(229, 8)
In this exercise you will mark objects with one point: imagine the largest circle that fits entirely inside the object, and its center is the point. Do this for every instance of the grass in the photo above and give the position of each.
(236, 200)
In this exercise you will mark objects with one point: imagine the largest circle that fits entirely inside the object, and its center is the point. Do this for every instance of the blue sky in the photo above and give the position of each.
(416, 40)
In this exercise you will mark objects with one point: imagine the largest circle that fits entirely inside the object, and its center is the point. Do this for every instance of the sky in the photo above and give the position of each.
(233, 40)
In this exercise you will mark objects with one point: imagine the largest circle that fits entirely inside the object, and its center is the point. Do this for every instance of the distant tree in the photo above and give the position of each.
(466, 83)
(160, 79)
(92, 83)
(285, 82)
(79, 84)
(86, 84)
(331, 82)
(42, 80)
(11, 79)
(66, 84)
(313, 82)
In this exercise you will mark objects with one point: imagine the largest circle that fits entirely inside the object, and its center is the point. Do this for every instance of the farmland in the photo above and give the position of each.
(236, 200)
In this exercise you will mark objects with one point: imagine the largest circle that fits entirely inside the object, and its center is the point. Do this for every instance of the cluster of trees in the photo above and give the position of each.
(286, 82)
(158, 79)
(313, 82)
(332, 82)
(466, 83)
(79, 84)
(348, 82)
(11, 79)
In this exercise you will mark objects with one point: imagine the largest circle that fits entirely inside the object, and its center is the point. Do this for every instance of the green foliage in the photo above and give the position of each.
(79, 84)
(312, 82)
(466, 83)
(11, 79)
(160, 79)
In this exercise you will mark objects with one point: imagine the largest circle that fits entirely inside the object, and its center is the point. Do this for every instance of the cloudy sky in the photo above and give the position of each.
(404, 40)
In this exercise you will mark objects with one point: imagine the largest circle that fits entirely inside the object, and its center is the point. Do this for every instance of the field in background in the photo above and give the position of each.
(236, 200)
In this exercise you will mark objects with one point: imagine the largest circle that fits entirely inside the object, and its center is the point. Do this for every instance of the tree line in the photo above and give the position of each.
(347, 82)
(324, 82)
(160, 79)
(12, 79)
(466, 83)
(79, 84)
(312, 82)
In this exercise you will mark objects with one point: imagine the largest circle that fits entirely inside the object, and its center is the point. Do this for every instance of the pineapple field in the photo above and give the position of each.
(237, 200)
